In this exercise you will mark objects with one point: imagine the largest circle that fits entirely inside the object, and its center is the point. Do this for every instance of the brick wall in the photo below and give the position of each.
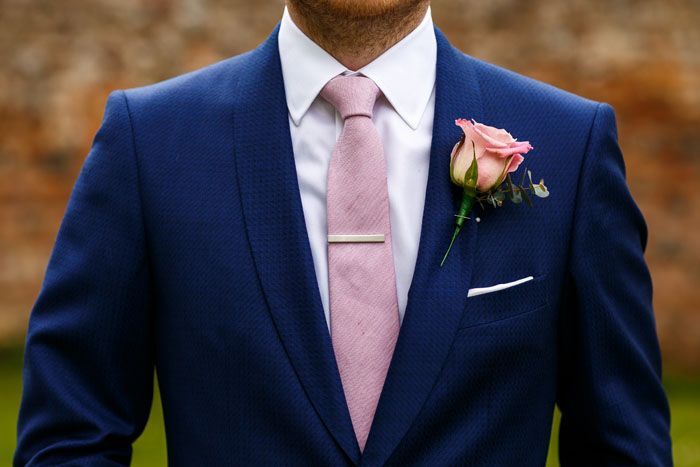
(61, 59)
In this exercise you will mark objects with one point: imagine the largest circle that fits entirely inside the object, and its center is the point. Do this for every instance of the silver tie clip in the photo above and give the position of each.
(356, 238)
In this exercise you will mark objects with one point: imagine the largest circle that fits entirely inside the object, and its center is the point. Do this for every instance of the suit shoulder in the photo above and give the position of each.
(526, 95)
(188, 93)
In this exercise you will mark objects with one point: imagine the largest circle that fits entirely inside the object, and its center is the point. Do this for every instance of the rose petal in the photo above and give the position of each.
(459, 165)
(453, 158)
(523, 146)
(471, 134)
(496, 137)
(490, 169)
(515, 148)
(515, 162)
(462, 122)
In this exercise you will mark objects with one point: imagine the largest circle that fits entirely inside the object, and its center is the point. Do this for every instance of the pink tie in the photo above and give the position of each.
(364, 312)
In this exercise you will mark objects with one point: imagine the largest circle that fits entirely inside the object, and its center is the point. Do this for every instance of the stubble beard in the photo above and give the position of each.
(356, 31)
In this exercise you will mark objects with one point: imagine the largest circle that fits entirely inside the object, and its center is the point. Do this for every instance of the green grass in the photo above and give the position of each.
(149, 449)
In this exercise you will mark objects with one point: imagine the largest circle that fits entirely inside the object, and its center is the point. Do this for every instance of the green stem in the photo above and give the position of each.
(464, 210)
(454, 236)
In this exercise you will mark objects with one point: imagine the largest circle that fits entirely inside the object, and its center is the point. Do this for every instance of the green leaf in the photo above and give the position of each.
(509, 182)
(526, 195)
(472, 175)
(522, 182)
(540, 190)
(529, 176)
(499, 196)
(515, 195)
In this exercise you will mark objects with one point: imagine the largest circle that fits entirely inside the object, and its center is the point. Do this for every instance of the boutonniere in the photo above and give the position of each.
(481, 163)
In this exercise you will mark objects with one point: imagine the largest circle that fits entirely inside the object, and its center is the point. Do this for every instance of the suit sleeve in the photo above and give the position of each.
(613, 406)
(88, 368)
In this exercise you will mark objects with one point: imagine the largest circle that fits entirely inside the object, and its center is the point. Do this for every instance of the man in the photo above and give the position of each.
(267, 233)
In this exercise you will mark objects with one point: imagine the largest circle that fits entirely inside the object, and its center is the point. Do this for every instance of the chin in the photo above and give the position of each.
(358, 8)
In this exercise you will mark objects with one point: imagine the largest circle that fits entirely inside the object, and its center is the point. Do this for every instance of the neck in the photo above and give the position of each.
(351, 37)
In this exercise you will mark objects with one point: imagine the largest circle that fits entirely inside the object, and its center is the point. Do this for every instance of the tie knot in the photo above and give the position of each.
(351, 95)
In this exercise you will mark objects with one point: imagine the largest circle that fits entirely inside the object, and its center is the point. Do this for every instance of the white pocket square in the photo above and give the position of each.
(495, 288)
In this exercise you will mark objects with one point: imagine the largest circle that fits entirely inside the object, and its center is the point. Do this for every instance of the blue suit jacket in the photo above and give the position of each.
(184, 248)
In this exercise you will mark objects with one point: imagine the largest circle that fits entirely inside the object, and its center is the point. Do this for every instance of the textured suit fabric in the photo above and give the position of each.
(183, 248)
(364, 309)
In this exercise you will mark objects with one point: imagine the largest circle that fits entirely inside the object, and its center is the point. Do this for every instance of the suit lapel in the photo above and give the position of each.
(278, 239)
(437, 296)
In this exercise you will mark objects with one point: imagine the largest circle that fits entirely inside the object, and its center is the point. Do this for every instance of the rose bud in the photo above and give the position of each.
(497, 154)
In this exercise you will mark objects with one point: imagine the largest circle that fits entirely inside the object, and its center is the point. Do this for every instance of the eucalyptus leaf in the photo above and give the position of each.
(526, 195)
(496, 199)
(522, 182)
(509, 181)
(540, 190)
(515, 195)
(529, 176)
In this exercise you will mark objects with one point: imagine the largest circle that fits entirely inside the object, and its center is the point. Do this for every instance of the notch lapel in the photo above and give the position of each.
(278, 239)
(437, 296)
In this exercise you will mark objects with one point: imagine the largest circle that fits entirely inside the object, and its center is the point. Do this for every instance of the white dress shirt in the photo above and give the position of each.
(403, 116)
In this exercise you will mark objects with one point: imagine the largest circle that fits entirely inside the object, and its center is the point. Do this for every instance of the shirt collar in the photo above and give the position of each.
(405, 73)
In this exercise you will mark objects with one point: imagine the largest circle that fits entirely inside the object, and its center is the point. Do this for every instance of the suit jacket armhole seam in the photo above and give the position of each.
(134, 154)
(579, 181)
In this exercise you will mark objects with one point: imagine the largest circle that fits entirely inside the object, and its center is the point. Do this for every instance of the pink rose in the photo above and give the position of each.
(497, 154)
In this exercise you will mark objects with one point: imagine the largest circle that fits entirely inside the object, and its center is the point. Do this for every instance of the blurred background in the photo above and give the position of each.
(60, 59)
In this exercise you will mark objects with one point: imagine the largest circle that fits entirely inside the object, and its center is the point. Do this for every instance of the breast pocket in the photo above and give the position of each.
(506, 303)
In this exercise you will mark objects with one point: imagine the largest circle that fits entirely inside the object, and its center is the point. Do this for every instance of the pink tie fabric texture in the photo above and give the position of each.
(364, 314)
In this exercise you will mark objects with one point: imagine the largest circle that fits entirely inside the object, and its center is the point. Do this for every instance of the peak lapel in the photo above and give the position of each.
(278, 239)
(437, 296)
